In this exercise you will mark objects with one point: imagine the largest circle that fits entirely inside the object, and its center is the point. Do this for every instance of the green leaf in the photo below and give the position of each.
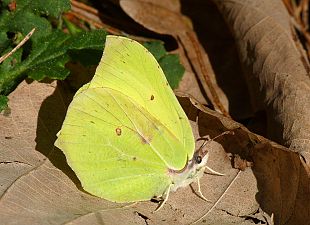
(48, 58)
(8, 83)
(71, 27)
(25, 21)
(49, 7)
(4, 41)
(170, 63)
(87, 57)
(3, 102)
(156, 48)
(173, 69)
(48, 50)
(31, 14)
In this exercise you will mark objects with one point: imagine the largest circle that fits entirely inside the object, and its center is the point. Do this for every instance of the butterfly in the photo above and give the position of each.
(125, 134)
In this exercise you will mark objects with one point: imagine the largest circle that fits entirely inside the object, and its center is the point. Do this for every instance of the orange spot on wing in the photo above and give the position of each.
(118, 131)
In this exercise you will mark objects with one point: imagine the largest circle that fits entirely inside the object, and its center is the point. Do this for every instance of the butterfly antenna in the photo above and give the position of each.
(165, 199)
(220, 135)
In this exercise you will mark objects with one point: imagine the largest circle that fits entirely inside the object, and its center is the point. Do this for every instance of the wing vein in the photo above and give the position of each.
(127, 177)
(153, 148)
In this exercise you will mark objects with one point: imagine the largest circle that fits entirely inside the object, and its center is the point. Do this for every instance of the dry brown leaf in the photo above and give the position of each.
(277, 72)
(283, 181)
(38, 187)
(161, 17)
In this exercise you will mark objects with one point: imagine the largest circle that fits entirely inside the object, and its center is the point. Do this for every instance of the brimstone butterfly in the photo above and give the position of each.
(125, 134)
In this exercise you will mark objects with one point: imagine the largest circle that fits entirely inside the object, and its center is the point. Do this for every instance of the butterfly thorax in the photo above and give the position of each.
(192, 171)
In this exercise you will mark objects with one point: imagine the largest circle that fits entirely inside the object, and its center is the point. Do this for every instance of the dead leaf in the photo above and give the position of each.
(33, 190)
(38, 187)
(240, 163)
(283, 181)
(277, 72)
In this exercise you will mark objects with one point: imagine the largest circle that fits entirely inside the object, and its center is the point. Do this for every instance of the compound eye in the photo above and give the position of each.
(198, 159)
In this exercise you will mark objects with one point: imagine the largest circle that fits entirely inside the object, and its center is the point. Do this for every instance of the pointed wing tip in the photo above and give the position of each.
(116, 37)
(111, 39)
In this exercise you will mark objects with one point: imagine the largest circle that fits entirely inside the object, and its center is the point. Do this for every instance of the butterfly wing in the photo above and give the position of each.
(116, 138)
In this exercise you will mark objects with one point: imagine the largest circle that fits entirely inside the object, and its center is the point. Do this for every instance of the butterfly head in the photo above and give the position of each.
(192, 171)
(200, 157)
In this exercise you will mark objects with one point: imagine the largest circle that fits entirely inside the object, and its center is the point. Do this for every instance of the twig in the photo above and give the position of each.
(20, 44)
(91, 16)
(289, 7)
(84, 7)
(96, 24)
(219, 199)
(305, 13)
(297, 11)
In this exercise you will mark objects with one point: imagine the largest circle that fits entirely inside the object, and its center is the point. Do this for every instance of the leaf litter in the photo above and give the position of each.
(264, 182)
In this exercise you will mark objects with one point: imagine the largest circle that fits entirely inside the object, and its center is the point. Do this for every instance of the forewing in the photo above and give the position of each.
(128, 67)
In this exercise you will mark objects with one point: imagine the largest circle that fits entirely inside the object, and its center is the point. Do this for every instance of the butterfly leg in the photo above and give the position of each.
(200, 193)
(165, 199)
